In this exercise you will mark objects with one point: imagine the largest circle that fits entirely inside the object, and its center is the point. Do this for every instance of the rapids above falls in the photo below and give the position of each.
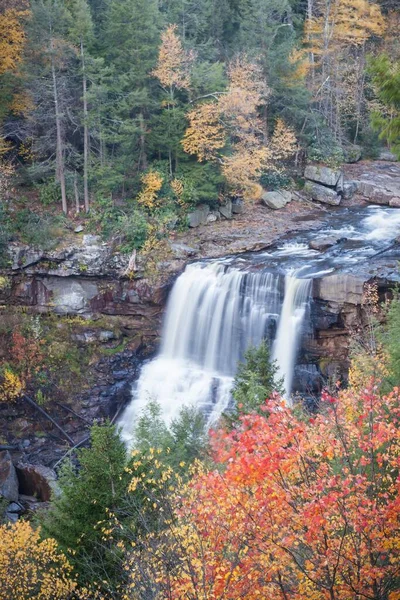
(218, 308)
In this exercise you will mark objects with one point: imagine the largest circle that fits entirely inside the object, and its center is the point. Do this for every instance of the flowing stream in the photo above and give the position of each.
(219, 308)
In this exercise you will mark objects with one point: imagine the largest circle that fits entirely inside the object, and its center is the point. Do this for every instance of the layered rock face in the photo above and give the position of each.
(85, 279)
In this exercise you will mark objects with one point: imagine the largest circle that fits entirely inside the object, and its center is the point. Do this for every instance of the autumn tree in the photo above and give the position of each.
(336, 37)
(31, 567)
(234, 117)
(12, 44)
(299, 507)
(173, 74)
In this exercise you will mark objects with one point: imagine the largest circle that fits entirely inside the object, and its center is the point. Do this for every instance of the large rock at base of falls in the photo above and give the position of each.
(322, 174)
(277, 199)
(341, 289)
(8, 478)
(199, 216)
(322, 194)
(38, 481)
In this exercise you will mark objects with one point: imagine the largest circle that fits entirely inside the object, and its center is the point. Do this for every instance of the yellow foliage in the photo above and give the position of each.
(283, 143)
(12, 39)
(30, 568)
(346, 22)
(173, 61)
(11, 387)
(235, 115)
(205, 134)
(153, 183)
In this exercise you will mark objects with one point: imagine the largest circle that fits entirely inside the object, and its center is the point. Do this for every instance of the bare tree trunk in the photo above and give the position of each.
(77, 207)
(60, 170)
(85, 134)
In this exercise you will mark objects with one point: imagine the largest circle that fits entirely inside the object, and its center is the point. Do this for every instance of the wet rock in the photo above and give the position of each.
(276, 200)
(37, 481)
(322, 194)
(322, 244)
(199, 216)
(322, 174)
(8, 477)
(394, 202)
(226, 210)
(340, 289)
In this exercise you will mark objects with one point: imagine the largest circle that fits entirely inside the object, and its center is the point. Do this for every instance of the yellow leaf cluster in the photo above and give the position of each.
(31, 568)
(283, 143)
(10, 387)
(205, 134)
(173, 61)
(345, 22)
(234, 116)
(12, 39)
(152, 182)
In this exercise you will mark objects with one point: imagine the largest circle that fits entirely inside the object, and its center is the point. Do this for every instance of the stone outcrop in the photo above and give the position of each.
(321, 193)
(377, 183)
(323, 175)
(199, 215)
(276, 200)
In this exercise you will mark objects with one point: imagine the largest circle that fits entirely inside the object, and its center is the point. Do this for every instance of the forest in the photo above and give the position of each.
(117, 119)
(132, 112)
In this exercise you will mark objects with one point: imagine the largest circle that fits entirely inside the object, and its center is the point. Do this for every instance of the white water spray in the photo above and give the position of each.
(214, 314)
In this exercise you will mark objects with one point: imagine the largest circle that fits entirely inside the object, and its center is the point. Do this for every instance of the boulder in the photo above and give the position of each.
(78, 229)
(394, 202)
(386, 155)
(349, 189)
(322, 174)
(237, 207)
(212, 217)
(375, 193)
(322, 194)
(277, 199)
(38, 481)
(8, 478)
(199, 215)
(352, 154)
(183, 251)
(322, 244)
(226, 210)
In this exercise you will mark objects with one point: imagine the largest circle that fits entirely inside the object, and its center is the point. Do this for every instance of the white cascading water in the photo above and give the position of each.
(295, 304)
(213, 314)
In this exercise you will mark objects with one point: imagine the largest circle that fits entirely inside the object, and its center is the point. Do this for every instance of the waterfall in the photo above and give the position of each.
(295, 304)
(213, 314)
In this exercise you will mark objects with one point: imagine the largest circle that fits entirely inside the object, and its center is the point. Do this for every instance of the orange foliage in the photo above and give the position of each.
(299, 508)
